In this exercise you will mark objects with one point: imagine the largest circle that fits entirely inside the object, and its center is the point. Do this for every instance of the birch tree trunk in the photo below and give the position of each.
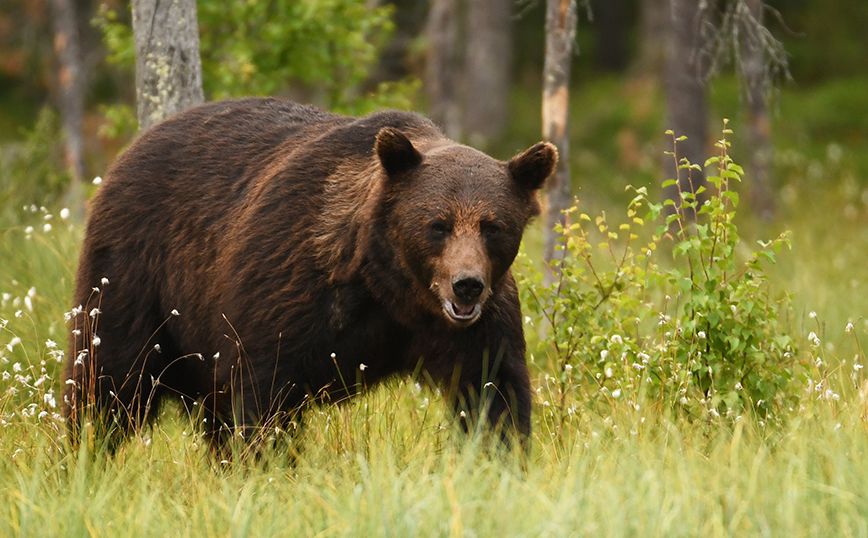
(168, 66)
(754, 55)
(487, 69)
(560, 37)
(71, 97)
(442, 68)
(686, 107)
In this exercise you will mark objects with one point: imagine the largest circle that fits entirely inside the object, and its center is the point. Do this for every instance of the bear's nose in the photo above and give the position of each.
(468, 289)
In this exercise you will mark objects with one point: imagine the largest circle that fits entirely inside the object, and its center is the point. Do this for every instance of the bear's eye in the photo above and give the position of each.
(439, 229)
(490, 229)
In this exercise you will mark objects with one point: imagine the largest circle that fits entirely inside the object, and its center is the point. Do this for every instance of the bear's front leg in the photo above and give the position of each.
(483, 373)
(493, 385)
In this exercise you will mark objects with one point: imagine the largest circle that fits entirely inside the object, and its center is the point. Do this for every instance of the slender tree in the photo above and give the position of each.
(754, 57)
(71, 97)
(686, 105)
(168, 66)
(560, 37)
(442, 67)
(487, 69)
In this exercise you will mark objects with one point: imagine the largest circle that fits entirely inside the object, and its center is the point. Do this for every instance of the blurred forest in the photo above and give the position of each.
(790, 74)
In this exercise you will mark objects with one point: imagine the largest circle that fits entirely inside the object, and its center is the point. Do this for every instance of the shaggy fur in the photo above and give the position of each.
(296, 246)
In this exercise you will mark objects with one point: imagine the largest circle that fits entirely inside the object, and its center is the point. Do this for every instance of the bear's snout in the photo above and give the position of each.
(467, 289)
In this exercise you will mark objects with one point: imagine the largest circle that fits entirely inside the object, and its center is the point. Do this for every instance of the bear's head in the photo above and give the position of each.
(456, 217)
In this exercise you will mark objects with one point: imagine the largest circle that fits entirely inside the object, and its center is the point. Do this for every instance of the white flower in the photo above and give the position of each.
(94, 312)
(363, 367)
(175, 312)
(616, 393)
(701, 335)
(28, 230)
(64, 213)
(46, 227)
(609, 372)
(616, 339)
(738, 386)
(683, 400)
(104, 281)
(157, 348)
(857, 367)
(16, 367)
(527, 319)
(568, 367)
(31, 292)
(638, 366)
(96, 341)
(734, 309)
(97, 180)
(849, 328)
(812, 315)
(604, 354)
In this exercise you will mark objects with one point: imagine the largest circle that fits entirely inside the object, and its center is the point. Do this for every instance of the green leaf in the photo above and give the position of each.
(732, 195)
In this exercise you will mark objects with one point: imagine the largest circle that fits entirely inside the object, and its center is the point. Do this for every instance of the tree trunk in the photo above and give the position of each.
(686, 108)
(754, 55)
(487, 69)
(71, 96)
(168, 66)
(560, 36)
(442, 68)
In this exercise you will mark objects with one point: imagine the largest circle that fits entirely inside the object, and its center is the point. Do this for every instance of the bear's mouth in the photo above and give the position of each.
(462, 314)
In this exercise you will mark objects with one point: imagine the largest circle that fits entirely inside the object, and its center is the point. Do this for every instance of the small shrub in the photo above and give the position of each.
(699, 334)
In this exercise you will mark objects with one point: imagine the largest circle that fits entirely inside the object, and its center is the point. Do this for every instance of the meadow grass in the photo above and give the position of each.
(389, 463)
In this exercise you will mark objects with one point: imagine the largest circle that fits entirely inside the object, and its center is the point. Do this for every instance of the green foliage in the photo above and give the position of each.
(33, 170)
(265, 48)
(700, 336)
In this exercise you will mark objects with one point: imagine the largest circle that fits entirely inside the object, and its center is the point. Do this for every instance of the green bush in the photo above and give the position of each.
(699, 334)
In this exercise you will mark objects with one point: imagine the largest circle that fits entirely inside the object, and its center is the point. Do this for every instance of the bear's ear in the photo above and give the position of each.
(396, 152)
(534, 166)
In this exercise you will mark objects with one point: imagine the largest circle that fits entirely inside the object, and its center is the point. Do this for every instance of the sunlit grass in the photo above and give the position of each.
(389, 463)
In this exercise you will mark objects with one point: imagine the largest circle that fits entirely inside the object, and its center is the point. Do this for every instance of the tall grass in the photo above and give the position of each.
(389, 463)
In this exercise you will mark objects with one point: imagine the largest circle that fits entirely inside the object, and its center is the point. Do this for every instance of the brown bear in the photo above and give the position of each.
(254, 255)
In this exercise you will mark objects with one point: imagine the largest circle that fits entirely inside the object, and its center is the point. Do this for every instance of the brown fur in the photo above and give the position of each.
(297, 245)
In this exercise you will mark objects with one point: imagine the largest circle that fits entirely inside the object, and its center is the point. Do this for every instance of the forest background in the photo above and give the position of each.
(709, 446)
